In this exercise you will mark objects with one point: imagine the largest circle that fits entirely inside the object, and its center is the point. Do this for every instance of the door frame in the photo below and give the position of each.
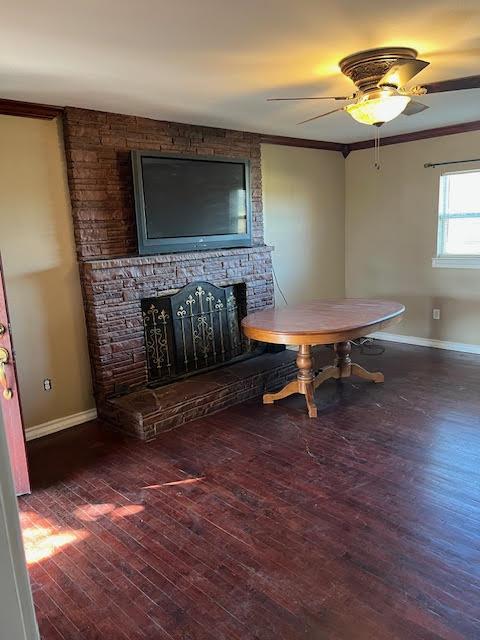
(10, 403)
(18, 617)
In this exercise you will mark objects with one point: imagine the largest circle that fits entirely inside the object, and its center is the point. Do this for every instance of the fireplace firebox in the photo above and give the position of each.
(194, 329)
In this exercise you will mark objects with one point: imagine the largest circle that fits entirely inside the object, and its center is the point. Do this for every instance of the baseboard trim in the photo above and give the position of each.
(59, 424)
(427, 342)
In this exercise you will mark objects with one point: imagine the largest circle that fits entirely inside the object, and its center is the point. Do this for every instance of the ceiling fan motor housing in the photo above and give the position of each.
(367, 68)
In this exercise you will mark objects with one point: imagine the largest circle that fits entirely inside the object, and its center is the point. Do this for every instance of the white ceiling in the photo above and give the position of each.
(214, 62)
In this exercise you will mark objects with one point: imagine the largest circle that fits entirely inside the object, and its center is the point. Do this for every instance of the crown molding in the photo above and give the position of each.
(29, 109)
(49, 112)
(304, 142)
(448, 130)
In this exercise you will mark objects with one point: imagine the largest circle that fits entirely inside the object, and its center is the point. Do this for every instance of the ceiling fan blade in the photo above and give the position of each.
(322, 115)
(456, 84)
(313, 98)
(402, 72)
(414, 107)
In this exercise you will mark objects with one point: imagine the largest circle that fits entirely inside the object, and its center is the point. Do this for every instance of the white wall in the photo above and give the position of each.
(304, 211)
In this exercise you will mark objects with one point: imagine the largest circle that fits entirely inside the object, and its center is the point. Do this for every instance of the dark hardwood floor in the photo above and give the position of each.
(362, 524)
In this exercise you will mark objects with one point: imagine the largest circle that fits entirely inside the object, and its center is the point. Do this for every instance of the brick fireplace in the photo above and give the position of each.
(114, 288)
(114, 277)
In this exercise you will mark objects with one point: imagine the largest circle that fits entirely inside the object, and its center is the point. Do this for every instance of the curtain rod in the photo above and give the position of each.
(439, 164)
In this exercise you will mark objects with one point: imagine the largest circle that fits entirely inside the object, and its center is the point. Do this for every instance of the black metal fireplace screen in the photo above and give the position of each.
(194, 329)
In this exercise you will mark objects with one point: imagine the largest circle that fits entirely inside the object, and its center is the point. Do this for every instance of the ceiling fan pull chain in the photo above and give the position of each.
(377, 155)
(376, 163)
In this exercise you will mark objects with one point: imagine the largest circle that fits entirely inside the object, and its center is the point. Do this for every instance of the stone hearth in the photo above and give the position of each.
(148, 412)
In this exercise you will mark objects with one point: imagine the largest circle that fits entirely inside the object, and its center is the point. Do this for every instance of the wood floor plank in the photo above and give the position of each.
(258, 523)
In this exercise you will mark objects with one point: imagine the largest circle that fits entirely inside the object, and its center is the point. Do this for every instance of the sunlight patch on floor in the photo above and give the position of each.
(175, 483)
(93, 512)
(42, 539)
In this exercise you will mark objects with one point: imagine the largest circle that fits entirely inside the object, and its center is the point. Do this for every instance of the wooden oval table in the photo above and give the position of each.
(321, 322)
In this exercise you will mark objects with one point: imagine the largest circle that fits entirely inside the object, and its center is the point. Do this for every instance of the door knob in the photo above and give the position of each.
(7, 391)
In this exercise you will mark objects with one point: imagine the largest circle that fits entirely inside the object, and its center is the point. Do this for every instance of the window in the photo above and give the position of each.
(459, 220)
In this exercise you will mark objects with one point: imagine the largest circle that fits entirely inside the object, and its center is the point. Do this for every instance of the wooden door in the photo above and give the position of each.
(10, 400)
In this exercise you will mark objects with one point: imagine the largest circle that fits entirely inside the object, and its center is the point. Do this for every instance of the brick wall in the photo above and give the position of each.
(98, 149)
(114, 277)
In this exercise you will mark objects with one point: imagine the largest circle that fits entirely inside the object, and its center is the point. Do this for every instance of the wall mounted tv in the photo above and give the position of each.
(191, 203)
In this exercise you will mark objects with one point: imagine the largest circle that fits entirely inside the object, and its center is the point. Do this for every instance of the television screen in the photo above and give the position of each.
(186, 203)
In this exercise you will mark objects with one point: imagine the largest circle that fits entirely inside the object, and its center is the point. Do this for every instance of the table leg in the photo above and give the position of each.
(288, 389)
(343, 361)
(306, 376)
(303, 384)
(307, 382)
(374, 376)
(343, 367)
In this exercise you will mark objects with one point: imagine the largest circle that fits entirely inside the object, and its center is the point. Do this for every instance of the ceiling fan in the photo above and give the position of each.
(380, 76)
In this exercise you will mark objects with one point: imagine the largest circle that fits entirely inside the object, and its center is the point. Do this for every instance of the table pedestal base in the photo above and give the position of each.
(307, 382)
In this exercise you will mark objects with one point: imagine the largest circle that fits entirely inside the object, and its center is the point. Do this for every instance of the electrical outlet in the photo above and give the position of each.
(47, 384)
(436, 314)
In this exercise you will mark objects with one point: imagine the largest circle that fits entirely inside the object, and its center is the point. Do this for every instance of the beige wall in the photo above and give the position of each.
(42, 279)
(391, 229)
(303, 191)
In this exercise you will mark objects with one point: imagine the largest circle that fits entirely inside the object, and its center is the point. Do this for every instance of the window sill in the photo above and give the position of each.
(456, 262)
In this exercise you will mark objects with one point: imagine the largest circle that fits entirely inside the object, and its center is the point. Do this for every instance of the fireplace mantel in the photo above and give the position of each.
(93, 264)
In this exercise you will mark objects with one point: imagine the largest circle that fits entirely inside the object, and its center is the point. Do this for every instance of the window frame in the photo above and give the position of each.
(442, 259)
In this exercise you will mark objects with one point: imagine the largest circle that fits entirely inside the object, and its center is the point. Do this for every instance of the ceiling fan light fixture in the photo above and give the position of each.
(376, 111)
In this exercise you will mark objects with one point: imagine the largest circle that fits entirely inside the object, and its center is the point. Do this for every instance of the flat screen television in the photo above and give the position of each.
(186, 203)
